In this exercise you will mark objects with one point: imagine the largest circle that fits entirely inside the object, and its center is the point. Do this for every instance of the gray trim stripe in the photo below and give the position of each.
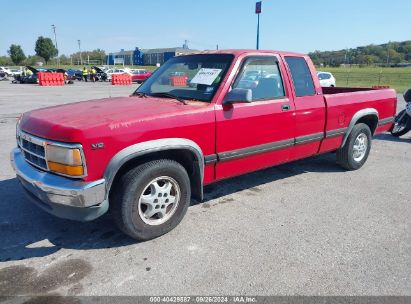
(210, 159)
(244, 152)
(309, 138)
(234, 154)
(336, 132)
(385, 121)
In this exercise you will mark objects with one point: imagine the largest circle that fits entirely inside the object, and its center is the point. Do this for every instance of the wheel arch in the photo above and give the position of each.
(184, 151)
(368, 116)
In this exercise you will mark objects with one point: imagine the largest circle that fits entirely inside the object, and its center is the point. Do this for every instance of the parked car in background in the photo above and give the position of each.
(112, 71)
(29, 75)
(56, 71)
(74, 74)
(326, 79)
(15, 72)
(139, 75)
(6, 71)
(101, 74)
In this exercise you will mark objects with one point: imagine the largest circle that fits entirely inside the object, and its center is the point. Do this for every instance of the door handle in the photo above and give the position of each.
(285, 107)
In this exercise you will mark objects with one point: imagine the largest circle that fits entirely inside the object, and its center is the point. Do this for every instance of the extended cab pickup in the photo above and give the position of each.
(145, 156)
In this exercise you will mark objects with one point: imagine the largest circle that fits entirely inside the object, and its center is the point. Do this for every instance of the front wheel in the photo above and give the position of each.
(151, 199)
(400, 124)
(354, 153)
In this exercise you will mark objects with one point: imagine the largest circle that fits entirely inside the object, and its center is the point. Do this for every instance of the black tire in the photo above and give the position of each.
(402, 125)
(128, 190)
(345, 157)
(407, 95)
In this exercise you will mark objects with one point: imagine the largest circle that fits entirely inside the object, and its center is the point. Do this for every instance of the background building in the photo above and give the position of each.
(146, 57)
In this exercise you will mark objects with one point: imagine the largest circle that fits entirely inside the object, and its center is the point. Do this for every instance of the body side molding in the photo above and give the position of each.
(249, 151)
(309, 138)
(210, 159)
(336, 132)
(386, 121)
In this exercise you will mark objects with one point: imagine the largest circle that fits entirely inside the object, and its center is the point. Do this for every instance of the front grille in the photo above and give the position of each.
(35, 160)
(33, 150)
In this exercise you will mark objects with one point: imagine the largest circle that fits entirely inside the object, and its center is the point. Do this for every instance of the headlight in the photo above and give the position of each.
(64, 160)
(17, 128)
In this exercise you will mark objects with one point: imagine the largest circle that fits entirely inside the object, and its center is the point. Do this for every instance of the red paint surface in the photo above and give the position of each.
(121, 122)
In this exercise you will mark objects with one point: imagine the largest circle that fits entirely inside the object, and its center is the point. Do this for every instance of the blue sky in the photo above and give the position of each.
(301, 26)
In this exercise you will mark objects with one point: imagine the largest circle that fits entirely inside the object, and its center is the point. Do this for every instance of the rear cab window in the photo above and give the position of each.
(261, 75)
(301, 75)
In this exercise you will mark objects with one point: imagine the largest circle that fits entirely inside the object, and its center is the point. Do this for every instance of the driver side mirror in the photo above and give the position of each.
(238, 95)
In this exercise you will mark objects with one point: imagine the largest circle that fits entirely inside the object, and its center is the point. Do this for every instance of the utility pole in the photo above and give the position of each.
(388, 53)
(345, 57)
(258, 12)
(217, 47)
(345, 64)
(79, 48)
(55, 41)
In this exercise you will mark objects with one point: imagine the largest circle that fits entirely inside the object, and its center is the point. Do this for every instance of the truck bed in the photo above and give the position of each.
(338, 90)
(344, 103)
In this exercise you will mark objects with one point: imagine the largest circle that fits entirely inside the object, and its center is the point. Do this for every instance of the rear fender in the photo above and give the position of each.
(357, 116)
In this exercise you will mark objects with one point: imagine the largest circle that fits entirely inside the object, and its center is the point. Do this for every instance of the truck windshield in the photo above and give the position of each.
(190, 77)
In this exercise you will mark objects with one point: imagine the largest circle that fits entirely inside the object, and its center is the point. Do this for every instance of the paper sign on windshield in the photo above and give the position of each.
(206, 76)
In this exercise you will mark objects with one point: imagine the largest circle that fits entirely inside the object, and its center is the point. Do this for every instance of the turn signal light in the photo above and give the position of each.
(65, 169)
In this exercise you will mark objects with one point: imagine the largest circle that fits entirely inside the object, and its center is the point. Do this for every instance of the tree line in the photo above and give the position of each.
(389, 54)
(46, 52)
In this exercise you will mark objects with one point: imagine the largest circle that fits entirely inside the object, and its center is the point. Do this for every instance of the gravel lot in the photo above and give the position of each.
(306, 228)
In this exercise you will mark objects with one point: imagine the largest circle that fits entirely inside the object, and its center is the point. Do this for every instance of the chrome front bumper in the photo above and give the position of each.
(61, 196)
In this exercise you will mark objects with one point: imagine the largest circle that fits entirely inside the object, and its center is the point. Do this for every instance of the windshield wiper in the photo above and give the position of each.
(169, 95)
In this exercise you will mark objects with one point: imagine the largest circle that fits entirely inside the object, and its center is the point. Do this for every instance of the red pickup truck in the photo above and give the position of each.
(146, 156)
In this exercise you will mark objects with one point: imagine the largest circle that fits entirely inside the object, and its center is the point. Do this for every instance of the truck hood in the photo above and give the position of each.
(71, 122)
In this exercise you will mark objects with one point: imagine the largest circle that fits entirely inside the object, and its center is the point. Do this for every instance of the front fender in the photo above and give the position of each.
(152, 146)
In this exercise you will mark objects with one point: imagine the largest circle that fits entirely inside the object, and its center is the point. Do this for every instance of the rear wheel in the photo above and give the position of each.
(151, 199)
(400, 124)
(354, 153)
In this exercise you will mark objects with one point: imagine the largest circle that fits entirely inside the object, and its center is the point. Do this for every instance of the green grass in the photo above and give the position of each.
(397, 78)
